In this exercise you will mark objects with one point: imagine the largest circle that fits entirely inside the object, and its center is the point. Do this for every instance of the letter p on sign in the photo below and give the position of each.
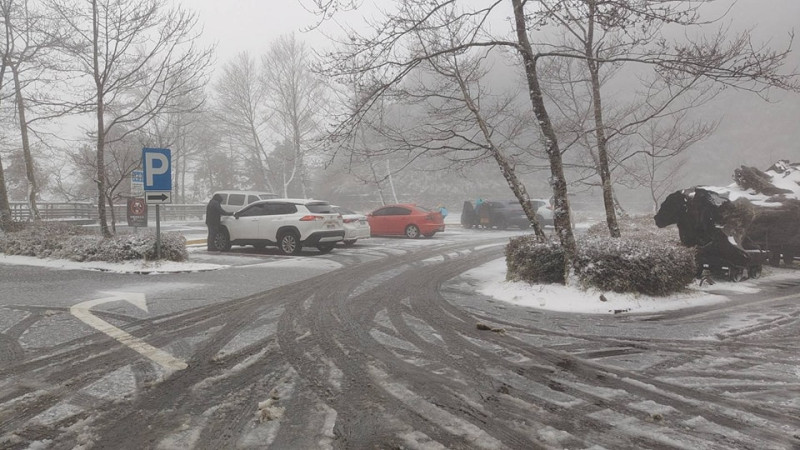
(156, 166)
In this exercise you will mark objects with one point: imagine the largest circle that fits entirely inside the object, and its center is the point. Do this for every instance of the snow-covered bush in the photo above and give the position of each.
(634, 264)
(643, 226)
(52, 240)
(645, 260)
(534, 261)
(41, 239)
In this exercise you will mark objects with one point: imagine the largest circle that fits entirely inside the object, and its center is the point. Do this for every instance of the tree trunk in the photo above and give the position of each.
(113, 214)
(5, 206)
(517, 187)
(377, 181)
(263, 166)
(26, 147)
(299, 160)
(391, 181)
(561, 213)
(101, 131)
(599, 127)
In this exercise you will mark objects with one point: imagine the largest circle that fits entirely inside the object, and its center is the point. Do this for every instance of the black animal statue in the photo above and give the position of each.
(698, 212)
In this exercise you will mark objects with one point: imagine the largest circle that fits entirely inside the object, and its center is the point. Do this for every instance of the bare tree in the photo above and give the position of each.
(123, 155)
(173, 130)
(241, 107)
(391, 53)
(5, 206)
(142, 60)
(296, 97)
(662, 153)
(463, 120)
(607, 34)
(30, 59)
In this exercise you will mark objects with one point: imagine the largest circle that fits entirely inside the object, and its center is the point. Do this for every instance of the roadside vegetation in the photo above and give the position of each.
(646, 260)
(64, 241)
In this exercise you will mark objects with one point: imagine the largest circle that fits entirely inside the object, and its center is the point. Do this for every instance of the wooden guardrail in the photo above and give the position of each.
(87, 212)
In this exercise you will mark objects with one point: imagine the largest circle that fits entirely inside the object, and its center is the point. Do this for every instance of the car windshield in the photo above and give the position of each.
(320, 208)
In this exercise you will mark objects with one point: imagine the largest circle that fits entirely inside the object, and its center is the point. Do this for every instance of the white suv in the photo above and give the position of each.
(288, 224)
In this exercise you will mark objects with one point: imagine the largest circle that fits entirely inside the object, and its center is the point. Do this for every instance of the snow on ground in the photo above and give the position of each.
(490, 280)
(140, 266)
(162, 267)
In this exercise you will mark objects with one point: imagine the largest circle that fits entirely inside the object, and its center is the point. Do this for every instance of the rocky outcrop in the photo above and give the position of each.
(760, 211)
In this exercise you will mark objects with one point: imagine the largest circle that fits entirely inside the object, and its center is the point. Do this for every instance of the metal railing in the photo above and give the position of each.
(87, 212)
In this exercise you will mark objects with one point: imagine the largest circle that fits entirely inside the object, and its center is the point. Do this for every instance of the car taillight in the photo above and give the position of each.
(311, 218)
(350, 220)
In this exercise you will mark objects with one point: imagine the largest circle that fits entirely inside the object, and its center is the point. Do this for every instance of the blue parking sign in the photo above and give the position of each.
(157, 169)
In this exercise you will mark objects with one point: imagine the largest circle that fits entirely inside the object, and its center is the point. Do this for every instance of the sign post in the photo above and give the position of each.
(157, 174)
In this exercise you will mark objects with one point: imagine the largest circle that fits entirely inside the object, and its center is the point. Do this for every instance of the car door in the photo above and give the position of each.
(398, 219)
(378, 221)
(275, 217)
(247, 222)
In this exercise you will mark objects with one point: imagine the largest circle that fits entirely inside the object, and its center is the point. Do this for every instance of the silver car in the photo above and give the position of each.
(355, 225)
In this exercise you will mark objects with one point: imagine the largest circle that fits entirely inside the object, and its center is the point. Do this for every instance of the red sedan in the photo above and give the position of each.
(405, 219)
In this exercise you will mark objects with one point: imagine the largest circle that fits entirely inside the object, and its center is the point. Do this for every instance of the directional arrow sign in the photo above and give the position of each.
(83, 312)
(158, 197)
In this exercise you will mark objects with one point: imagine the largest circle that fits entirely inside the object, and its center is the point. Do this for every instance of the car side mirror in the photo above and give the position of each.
(236, 215)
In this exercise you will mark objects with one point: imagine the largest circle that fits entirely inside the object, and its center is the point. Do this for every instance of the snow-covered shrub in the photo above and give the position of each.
(49, 240)
(634, 264)
(41, 239)
(638, 226)
(534, 261)
(645, 260)
(142, 246)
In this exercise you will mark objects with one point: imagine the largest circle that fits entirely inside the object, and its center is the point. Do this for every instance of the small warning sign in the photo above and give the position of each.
(137, 212)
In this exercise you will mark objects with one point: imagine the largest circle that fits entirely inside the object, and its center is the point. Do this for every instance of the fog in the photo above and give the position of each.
(753, 129)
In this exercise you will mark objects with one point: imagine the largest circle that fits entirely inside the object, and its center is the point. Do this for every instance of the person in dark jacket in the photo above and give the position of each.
(214, 213)
(468, 218)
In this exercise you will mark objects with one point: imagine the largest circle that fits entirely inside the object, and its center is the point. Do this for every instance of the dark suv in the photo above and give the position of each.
(497, 214)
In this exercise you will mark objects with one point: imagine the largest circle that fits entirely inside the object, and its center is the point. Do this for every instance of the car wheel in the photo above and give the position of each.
(222, 241)
(412, 231)
(289, 243)
(350, 243)
(325, 248)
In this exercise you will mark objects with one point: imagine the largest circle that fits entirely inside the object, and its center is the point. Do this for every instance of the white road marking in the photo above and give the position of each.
(83, 312)
(481, 247)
